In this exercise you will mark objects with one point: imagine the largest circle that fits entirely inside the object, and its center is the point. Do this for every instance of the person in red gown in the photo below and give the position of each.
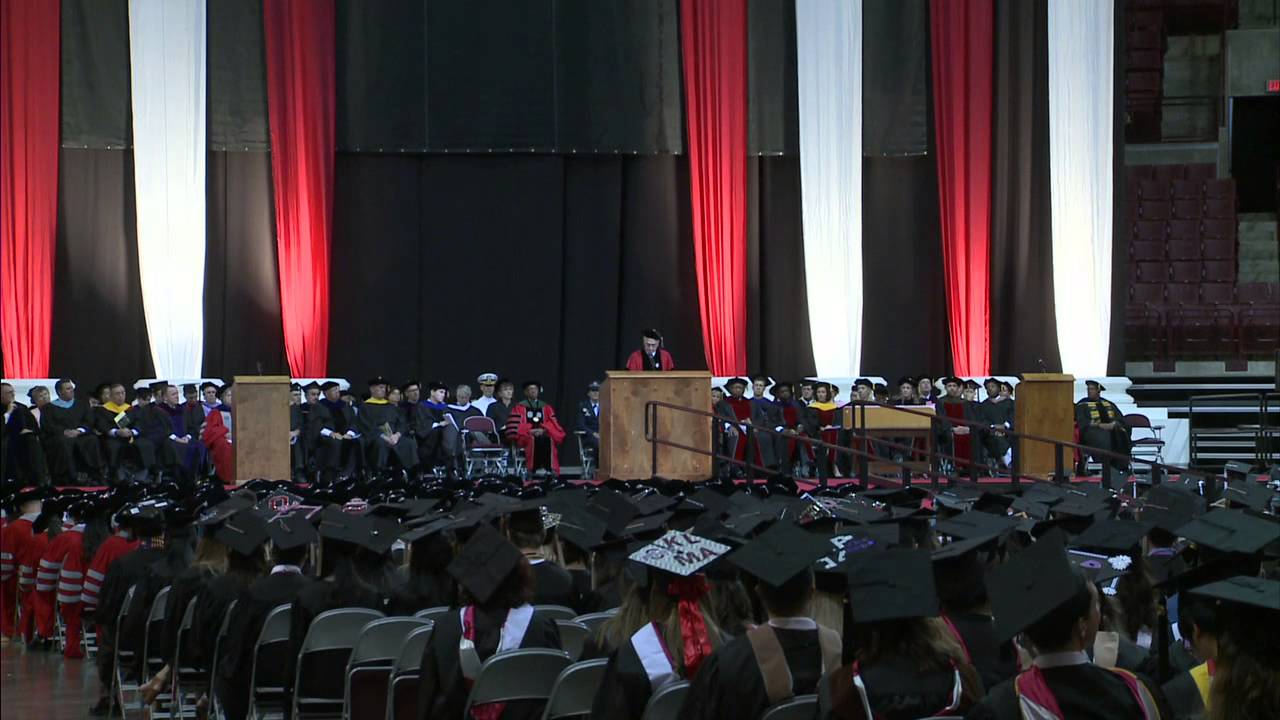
(741, 407)
(217, 437)
(651, 356)
(538, 432)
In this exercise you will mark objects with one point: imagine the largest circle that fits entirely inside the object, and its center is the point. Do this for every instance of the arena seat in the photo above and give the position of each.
(1217, 293)
(525, 674)
(1184, 249)
(1185, 272)
(1151, 230)
(1185, 231)
(1219, 271)
(1161, 209)
(1188, 208)
(1182, 294)
(1153, 190)
(402, 687)
(1146, 293)
(1187, 189)
(1219, 248)
(1146, 251)
(1152, 272)
(370, 665)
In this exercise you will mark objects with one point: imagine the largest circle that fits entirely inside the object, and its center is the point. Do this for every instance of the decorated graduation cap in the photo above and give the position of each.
(1101, 569)
(679, 553)
(850, 542)
(484, 563)
(1113, 535)
(892, 585)
(224, 510)
(1032, 584)
(780, 553)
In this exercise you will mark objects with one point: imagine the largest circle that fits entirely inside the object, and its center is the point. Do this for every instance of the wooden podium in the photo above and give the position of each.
(624, 452)
(260, 436)
(1044, 407)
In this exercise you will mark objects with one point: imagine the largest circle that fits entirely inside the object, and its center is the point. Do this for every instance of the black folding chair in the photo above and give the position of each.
(319, 682)
(665, 703)
(526, 674)
(270, 658)
(123, 675)
(402, 687)
(573, 636)
(575, 689)
(369, 667)
(800, 707)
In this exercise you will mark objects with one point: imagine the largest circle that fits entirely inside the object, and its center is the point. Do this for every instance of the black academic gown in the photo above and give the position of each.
(420, 592)
(995, 661)
(69, 456)
(189, 585)
(20, 450)
(998, 415)
(625, 688)
(1116, 439)
(140, 448)
(235, 665)
(1183, 696)
(896, 690)
(333, 455)
(729, 683)
(298, 447)
(1083, 692)
(210, 610)
(374, 419)
(442, 690)
(552, 584)
(944, 438)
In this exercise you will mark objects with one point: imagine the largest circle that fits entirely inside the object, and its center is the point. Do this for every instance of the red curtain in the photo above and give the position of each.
(300, 104)
(962, 41)
(713, 38)
(30, 32)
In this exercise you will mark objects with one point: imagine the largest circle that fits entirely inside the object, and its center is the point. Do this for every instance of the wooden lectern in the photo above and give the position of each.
(624, 452)
(1044, 407)
(260, 432)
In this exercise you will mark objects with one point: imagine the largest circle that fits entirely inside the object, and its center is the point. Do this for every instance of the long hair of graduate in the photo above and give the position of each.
(1137, 598)
(370, 571)
(211, 555)
(633, 614)
(515, 590)
(96, 532)
(1248, 663)
(665, 610)
(247, 568)
(924, 642)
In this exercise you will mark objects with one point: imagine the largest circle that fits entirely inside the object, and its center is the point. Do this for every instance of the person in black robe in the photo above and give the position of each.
(675, 602)
(495, 584)
(552, 584)
(67, 435)
(429, 423)
(333, 432)
(1040, 594)
(20, 450)
(906, 665)
(958, 572)
(113, 422)
(427, 583)
(291, 540)
(1102, 426)
(996, 411)
(589, 419)
(951, 438)
(384, 432)
(765, 416)
(181, 453)
(297, 428)
(245, 535)
(785, 657)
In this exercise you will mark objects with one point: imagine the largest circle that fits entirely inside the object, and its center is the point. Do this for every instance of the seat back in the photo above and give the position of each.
(575, 689)
(555, 612)
(594, 620)
(319, 682)
(369, 667)
(573, 636)
(271, 657)
(215, 707)
(1137, 420)
(402, 689)
(800, 707)
(665, 703)
(433, 614)
(525, 674)
(480, 424)
(155, 620)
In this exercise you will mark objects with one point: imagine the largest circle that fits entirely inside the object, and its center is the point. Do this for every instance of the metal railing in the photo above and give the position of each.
(862, 456)
(1264, 433)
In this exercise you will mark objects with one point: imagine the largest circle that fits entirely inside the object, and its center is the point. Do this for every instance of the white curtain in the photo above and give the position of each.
(167, 68)
(1080, 178)
(829, 75)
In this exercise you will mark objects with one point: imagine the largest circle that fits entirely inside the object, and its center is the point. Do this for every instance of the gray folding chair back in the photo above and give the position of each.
(322, 661)
(187, 680)
(433, 614)
(215, 706)
(555, 612)
(124, 655)
(665, 703)
(800, 707)
(573, 636)
(369, 667)
(594, 620)
(402, 688)
(575, 689)
(270, 658)
(152, 662)
(525, 674)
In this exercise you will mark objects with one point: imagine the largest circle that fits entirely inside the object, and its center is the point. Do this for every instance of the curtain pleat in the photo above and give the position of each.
(167, 62)
(829, 83)
(29, 51)
(300, 106)
(713, 39)
(1081, 103)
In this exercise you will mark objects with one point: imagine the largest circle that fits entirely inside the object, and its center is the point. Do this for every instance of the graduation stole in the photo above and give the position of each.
(1202, 675)
(1098, 412)
(772, 660)
(512, 634)
(957, 692)
(1036, 700)
(654, 656)
(955, 633)
(378, 401)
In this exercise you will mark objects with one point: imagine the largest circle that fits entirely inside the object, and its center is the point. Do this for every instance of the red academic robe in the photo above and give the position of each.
(13, 540)
(28, 558)
(524, 435)
(217, 437)
(742, 411)
(635, 363)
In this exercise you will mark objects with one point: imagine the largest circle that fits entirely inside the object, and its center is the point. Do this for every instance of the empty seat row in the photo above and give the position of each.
(1167, 173)
(1221, 332)
(1184, 294)
(1151, 247)
(1192, 188)
(1218, 207)
(1183, 271)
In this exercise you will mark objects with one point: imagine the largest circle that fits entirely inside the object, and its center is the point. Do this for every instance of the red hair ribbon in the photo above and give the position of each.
(693, 629)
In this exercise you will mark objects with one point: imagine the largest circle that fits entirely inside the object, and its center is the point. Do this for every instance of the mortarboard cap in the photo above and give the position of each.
(1232, 531)
(863, 382)
(1083, 505)
(244, 533)
(844, 546)
(952, 380)
(367, 531)
(1244, 591)
(581, 529)
(679, 553)
(1030, 585)
(1100, 569)
(780, 553)
(295, 387)
(290, 531)
(527, 383)
(378, 380)
(647, 524)
(1248, 493)
(158, 385)
(224, 510)
(891, 585)
(1246, 607)
(975, 524)
(960, 548)
(1033, 509)
(484, 563)
(652, 334)
(1112, 535)
(1170, 508)
(328, 385)
(736, 381)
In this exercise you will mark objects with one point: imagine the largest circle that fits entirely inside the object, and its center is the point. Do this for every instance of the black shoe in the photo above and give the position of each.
(101, 709)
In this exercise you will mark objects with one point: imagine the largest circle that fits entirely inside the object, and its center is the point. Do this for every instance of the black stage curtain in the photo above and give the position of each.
(1021, 231)
(95, 74)
(778, 336)
(904, 317)
(1119, 230)
(242, 330)
(773, 124)
(238, 76)
(895, 77)
(99, 330)
(381, 75)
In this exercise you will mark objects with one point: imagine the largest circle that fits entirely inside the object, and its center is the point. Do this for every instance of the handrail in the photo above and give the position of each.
(864, 457)
(1263, 454)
